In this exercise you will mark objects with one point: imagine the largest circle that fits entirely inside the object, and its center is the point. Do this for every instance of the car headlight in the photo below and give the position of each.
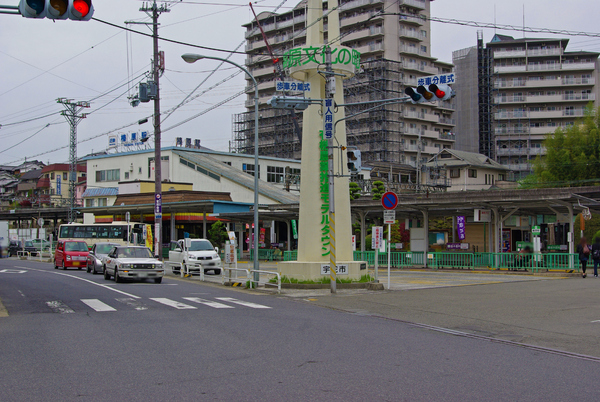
(215, 256)
(192, 257)
(68, 258)
(158, 266)
(125, 266)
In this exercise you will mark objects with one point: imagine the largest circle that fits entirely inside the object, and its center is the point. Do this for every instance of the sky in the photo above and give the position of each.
(42, 60)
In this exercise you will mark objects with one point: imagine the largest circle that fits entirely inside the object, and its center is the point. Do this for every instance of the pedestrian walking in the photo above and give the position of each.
(584, 254)
(596, 255)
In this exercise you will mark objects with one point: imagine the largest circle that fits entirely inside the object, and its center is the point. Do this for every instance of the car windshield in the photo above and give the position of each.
(28, 243)
(76, 246)
(201, 246)
(134, 252)
(103, 248)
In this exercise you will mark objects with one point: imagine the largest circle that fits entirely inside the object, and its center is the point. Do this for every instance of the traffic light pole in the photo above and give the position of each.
(73, 116)
(156, 11)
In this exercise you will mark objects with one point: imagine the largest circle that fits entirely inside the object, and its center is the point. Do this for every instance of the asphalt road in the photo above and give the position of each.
(74, 336)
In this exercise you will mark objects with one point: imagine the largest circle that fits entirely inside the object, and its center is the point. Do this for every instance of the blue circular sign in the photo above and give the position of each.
(389, 200)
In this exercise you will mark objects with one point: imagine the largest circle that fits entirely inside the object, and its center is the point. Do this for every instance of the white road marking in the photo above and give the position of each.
(98, 305)
(136, 304)
(85, 280)
(59, 307)
(207, 302)
(173, 303)
(596, 321)
(241, 303)
(12, 271)
(21, 293)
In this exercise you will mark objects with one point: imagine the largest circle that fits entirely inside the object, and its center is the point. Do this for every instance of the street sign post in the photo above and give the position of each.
(389, 200)
(389, 217)
(536, 230)
(376, 240)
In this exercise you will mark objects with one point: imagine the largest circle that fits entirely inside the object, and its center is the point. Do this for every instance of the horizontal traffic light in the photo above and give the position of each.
(78, 10)
(442, 91)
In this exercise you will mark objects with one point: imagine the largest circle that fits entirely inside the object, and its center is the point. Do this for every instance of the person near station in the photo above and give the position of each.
(584, 254)
(277, 254)
(596, 255)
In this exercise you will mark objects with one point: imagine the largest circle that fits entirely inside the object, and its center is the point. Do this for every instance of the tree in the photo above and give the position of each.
(572, 155)
(378, 190)
(592, 228)
(217, 234)
(354, 191)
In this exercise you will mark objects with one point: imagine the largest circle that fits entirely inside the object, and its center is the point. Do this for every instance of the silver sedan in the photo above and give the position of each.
(132, 262)
(96, 255)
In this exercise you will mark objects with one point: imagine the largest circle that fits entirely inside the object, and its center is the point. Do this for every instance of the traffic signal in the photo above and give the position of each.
(425, 93)
(414, 95)
(289, 102)
(354, 161)
(78, 10)
(442, 91)
(32, 8)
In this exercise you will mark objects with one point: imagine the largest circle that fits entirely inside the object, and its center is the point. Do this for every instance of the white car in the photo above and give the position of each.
(196, 254)
(132, 262)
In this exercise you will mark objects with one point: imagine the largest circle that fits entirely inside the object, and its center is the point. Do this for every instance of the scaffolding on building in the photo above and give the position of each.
(485, 86)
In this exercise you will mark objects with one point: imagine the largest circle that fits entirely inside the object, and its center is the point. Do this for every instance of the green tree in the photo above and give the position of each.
(592, 228)
(354, 191)
(217, 234)
(572, 155)
(378, 190)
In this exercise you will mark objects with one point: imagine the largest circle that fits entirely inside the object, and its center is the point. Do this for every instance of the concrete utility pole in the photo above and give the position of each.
(73, 116)
(156, 64)
(329, 92)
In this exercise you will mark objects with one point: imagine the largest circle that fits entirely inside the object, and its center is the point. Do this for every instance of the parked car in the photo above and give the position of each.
(71, 253)
(196, 253)
(133, 262)
(41, 244)
(96, 255)
(18, 245)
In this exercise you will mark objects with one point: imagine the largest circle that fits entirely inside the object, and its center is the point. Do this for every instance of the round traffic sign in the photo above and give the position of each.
(389, 200)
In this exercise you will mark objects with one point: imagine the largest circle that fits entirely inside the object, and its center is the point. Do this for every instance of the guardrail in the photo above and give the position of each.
(277, 274)
(236, 270)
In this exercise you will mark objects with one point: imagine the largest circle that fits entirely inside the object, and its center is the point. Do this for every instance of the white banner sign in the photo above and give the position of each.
(376, 237)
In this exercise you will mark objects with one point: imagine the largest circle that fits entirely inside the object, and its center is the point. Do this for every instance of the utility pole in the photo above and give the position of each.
(74, 116)
(156, 67)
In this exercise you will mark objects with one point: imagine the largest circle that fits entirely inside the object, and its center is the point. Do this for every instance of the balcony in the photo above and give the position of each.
(579, 96)
(420, 67)
(417, 20)
(354, 4)
(510, 69)
(414, 34)
(519, 166)
(413, 3)
(411, 114)
(511, 130)
(578, 81)
(544, 52)
(447, 136)
(510, 84)
(541, 130)
(579, 66)
(413, 50)
(520, 151)
(500, 54)
(447, 120)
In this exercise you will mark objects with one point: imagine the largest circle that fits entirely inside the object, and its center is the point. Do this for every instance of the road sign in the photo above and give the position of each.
(437, 79)
(40, 222)
(536, 230)
(285, 86)
(389, 200)
(389, 217)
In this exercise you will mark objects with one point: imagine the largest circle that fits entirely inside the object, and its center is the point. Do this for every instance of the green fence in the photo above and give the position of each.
(456, 260)
(267, 254)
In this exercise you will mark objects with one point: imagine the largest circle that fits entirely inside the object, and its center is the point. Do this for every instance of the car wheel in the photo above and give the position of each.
(106, 275)
(217, 272)
(55, 264)
(63, 266)
(93, 270)
(157, 280)
(117, 279)
(87, 268)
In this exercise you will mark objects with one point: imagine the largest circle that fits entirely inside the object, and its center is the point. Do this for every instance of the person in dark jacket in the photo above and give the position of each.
(584, 254)
(596, 255)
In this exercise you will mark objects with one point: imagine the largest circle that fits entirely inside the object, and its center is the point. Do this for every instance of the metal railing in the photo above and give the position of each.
(266, 282)
(228, 277)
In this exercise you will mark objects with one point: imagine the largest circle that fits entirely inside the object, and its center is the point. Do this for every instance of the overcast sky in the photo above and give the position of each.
(43, 60)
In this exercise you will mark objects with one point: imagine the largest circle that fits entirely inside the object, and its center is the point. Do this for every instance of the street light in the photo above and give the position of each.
(192, 58)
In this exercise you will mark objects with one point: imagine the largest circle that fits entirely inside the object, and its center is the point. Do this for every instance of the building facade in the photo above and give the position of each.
(393, 38)
(530, 88)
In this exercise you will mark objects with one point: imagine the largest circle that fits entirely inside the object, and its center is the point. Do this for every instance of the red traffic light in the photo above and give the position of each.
(81, 8)
(437, 91)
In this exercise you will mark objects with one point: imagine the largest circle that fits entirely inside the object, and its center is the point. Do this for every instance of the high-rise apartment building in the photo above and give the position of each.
(528, 88)
(393, 37)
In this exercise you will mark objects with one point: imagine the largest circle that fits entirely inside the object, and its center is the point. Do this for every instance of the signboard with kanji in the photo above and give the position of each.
(376, 237)
(389, 217)
(460, 227)
(292, 86)
(437, 79)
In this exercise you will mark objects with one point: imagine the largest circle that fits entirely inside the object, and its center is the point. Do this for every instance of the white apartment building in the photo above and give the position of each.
(394, 39)
(536, 86)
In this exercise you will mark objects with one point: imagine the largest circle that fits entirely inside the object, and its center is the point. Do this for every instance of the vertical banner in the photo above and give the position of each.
(460, 227)
(353, 242)
(149, 240)
(295, 229)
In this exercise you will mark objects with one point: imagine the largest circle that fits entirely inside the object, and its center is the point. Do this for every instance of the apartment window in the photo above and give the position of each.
(454, 173)
(65, 176)
(126, 175)
(52, 176)
(274, 174)
(108, 175)
(501, 176)
(472, 173)
(423, 49)
(102, 202)
(89, 202)
(423, 33)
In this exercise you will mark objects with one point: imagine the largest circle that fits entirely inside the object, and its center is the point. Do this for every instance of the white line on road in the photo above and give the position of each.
(207, 302)
(59, 307)
(136, 304)
(173, 303)
(241, 303)
(22, 294)
(596, 321)
(98, 305)
(85, 280)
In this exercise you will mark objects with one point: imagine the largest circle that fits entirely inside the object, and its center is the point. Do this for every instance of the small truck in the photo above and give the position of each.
(196, 254)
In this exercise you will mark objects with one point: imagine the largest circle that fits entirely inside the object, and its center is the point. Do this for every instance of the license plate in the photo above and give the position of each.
(75, 263)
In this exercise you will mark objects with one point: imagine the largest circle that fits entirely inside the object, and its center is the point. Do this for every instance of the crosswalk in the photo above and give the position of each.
(120, 304)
